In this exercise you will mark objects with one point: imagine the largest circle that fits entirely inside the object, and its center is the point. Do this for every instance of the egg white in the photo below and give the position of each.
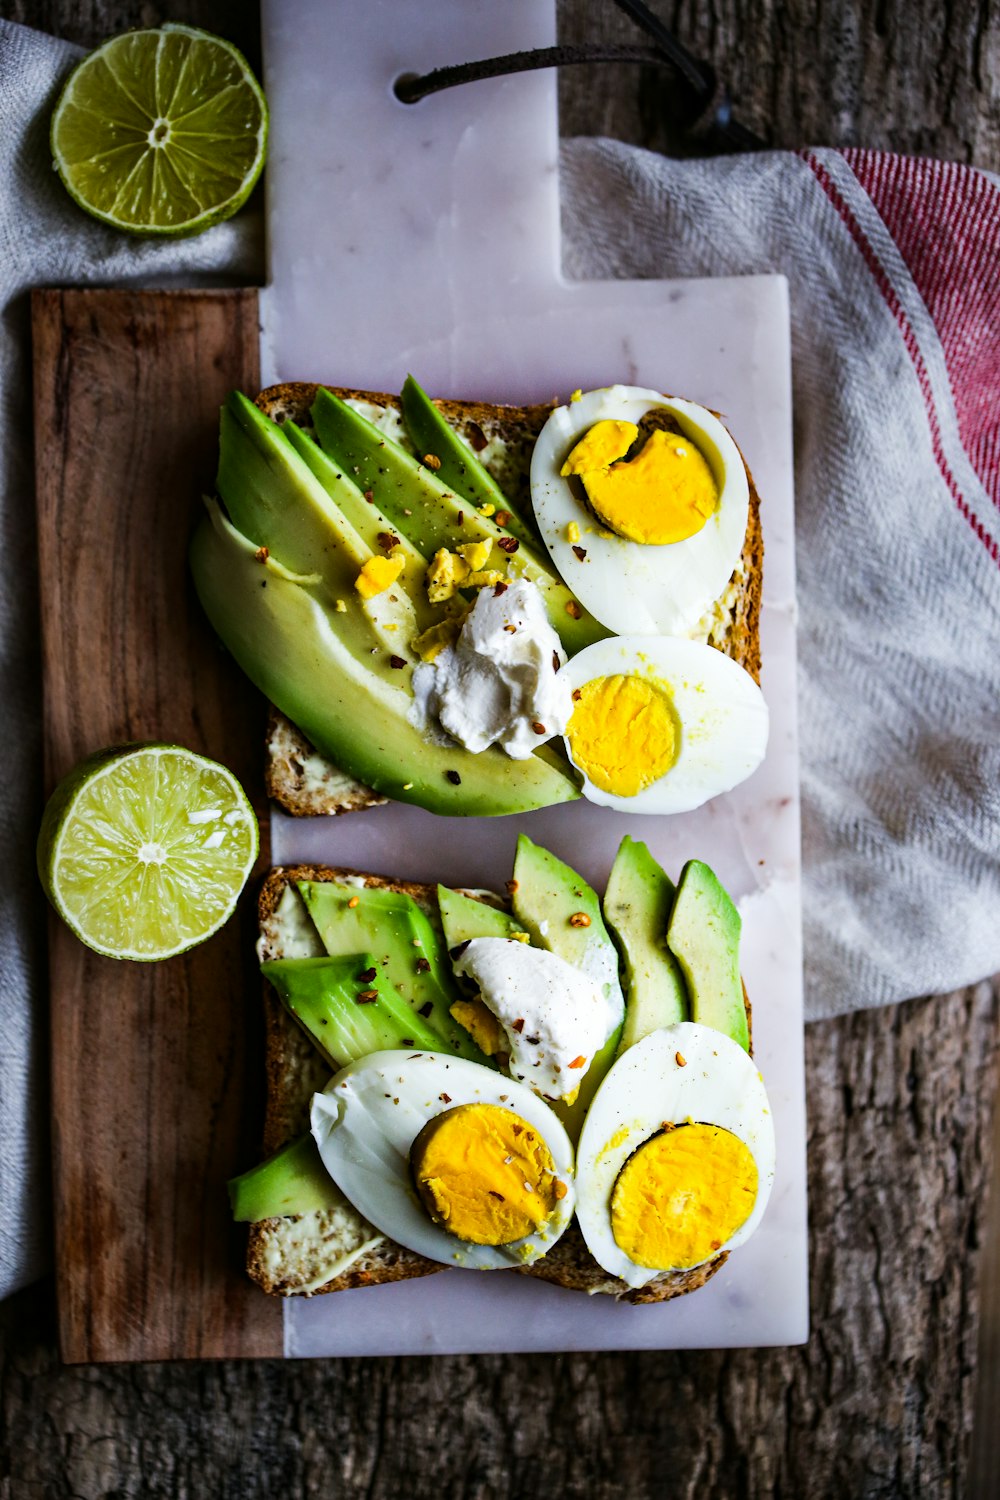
(718, 1085)
(634, 588)
(721, 712)
(367, 1118)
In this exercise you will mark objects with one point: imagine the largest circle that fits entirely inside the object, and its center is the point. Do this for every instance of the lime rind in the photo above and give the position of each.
(142, 84)
(144, 850)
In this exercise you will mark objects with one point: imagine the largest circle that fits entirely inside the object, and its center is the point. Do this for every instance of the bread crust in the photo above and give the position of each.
(289, 750)
(568, 1264)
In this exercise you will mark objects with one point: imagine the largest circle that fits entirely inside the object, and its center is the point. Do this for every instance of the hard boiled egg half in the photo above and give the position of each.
(645, 527)
(448, 1158)
(676, 1158)
(660, 725)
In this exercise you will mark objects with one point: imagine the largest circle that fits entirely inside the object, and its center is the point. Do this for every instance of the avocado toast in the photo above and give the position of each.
(499, 443)
(326, 1244)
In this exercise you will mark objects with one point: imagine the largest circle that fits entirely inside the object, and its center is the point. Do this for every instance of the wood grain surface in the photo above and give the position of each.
(880, 1402)
(152, 1067)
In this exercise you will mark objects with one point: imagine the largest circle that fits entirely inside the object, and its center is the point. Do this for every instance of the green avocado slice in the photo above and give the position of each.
(460, 469)
(427, 512)
(348, 1007)
(637, 905)
(464, 918)
(547, 896)
(292, 1181)
(290, 644)
(407, 949)
(704, 936)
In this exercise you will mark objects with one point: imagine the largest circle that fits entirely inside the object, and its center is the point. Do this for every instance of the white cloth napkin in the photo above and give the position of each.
(45, 240)
(894, 268)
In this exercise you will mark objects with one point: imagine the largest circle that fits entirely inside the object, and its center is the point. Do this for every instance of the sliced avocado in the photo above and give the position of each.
(292, 1181)
(349, 1008)
(459, 468)
(637, 906)
(704, 936)
(464, 918)
(562, 913)
(407, 950)
(374, 529)
(428, 513)
(275, 501)
(293, 645)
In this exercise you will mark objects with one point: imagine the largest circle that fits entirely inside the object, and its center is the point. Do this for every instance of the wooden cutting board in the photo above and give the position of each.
(155, 1067)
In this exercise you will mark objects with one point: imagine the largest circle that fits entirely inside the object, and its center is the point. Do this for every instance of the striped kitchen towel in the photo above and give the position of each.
(894, 271)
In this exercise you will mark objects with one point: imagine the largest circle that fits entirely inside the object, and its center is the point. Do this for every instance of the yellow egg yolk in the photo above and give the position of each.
(485, 1174)
(622, 733)
(664, 494)
(377, 575)
(682, 1195)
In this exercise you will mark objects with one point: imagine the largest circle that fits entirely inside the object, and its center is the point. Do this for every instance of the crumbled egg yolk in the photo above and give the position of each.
(485, 1174)
(431, 642)
(664, 494)
(377, 575)
(622, 733)
(448, 572)
(481, 1024)
(682, 1195)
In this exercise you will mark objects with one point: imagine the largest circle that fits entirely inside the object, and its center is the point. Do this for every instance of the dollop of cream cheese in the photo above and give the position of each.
(554, 1015)
(498, 684)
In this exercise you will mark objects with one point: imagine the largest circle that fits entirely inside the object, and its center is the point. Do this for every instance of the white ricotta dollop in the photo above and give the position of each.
(498, 684)
(553, 1014)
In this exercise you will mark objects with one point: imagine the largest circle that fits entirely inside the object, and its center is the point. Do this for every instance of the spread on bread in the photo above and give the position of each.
(499, 1068)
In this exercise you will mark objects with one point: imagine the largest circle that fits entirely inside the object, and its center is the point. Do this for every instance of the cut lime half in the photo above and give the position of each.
(144, 849)
(161, 132)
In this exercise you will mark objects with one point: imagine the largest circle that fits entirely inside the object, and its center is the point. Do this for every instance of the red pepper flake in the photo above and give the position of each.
(517, 1129)
(508, 544)
(511, 629)
(387, 540)
(397, 662)
(262, 554)
(369, 495)
(460, 518)
(577, 694)
(559, 1190)
(578, 1062)
(518, 1025)
(498, 589)
(476, 436)
(512, 886)
(431, 461)
(580, 552)
(445, 1098)
(407, 1041)
(579, 919)
(573, 609)
(366, 997)
(423, 966)
(680, 1060)
(426, 1008)
(716, 1244)
(498, 1196)
(503, 1098)
(502, 518)
(539, 728)
(354, 901)
(367, 975)
(454, 778)
(555, 661)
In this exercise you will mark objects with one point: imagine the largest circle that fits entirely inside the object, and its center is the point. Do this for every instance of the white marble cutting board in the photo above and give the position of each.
(425, 238)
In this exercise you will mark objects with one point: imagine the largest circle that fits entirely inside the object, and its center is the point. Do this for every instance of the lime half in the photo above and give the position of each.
(161, 132)
(144, 849)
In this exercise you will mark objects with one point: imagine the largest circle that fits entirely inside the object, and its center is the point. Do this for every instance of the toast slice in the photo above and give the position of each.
(301, 780)
(336, 1249)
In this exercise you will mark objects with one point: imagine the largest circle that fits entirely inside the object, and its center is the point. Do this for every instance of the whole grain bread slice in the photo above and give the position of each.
(304, 782)
(337, 1249)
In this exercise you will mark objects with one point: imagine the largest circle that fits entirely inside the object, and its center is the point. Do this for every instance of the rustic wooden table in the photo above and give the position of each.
(882, 1399)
